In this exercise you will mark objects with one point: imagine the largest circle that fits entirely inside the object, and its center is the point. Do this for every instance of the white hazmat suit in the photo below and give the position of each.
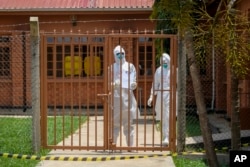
(124, 105)
(160, 88)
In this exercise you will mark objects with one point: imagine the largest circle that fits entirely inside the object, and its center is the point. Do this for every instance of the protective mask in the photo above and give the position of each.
(165, 66)
(120, 55)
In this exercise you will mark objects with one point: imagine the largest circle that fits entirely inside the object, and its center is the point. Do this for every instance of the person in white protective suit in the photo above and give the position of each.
(123, 78)
(160, 88)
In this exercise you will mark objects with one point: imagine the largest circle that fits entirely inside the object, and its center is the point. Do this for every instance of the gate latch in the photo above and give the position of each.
(104, 95)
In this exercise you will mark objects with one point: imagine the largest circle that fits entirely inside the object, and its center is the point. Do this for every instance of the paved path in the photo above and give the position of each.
(159, 161)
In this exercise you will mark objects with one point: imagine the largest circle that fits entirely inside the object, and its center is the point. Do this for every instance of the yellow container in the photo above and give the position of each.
(77, 65)
(92, 65)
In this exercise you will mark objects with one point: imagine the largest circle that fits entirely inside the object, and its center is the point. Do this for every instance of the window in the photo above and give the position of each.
(4, 56)
(75, 56)
(145, 56)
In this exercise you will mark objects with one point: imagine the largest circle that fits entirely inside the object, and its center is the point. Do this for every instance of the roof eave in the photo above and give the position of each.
(78, 10)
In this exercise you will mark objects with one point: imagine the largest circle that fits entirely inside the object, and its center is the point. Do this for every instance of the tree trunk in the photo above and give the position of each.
(200, 102)
(181, 98)
(235, 120)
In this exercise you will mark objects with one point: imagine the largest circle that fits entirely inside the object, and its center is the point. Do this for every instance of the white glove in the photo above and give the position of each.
(116, 84)
(133, 85)
(150, 100)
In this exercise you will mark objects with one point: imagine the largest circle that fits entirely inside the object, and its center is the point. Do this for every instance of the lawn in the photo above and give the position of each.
(193, 126)
(182, 161)
(185, 162)
(16, 137)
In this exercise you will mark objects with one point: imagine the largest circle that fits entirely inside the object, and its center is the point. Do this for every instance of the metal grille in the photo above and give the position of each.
(76, 85)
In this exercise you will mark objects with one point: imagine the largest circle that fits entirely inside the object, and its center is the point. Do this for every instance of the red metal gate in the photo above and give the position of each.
(77, 92)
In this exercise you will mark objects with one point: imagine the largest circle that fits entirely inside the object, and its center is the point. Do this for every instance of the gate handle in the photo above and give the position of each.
(104, 94)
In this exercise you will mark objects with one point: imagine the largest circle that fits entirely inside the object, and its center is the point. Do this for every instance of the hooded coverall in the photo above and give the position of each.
(124, 105)
(160, 88)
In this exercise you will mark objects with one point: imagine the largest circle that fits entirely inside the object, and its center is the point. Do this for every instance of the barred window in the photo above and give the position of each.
(4, 56)
(74, 56)
(145, 60)
(146, 51)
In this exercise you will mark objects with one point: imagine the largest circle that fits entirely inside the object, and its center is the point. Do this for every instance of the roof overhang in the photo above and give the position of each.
(78, 10)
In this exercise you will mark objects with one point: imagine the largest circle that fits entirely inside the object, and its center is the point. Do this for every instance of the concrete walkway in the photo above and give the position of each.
(141, 162)
(132, 160)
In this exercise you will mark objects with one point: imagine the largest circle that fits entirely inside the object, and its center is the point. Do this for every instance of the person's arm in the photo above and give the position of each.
(155, 86)
(133, 84)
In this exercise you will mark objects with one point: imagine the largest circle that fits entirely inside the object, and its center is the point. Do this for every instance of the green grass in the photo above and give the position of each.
(189, 162)
(70, 125)
(185, 162)
(193, 126)
(16, 137)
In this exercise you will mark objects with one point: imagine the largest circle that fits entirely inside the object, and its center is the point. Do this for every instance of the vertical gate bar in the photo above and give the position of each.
(63, 89)
(95, 48)
(152, 87)
(139, 92)
(88, 91)
(107, 140)
(145, 87)
(129, 97)
(137, 112)
(71, 90)
(111, 113)
(176, 67)
(112, 88)
(67, 87)
(120, 94)
(63, 103)
(145, 113)
(145, 80)
(173, 92)
(162, 91)
(54, 96)
(77, 43)
(153, 72)
(106, 91)
(111, 102)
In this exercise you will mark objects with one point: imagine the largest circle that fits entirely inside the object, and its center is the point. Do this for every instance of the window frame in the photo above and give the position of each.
(5, 65)
(73, 46)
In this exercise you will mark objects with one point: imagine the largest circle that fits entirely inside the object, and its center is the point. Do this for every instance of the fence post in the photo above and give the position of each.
(35, 82)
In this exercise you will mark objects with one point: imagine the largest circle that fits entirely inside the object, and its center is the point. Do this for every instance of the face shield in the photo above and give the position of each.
(165, 60)
(119, 54)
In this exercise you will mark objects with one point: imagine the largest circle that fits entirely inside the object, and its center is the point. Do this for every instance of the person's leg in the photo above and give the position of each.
(116, 133)
(165, 131)
(165, 123)
(116, 126)
(128, 131)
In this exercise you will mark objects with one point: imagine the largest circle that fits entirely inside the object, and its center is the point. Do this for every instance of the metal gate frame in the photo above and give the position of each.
(110, 40)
